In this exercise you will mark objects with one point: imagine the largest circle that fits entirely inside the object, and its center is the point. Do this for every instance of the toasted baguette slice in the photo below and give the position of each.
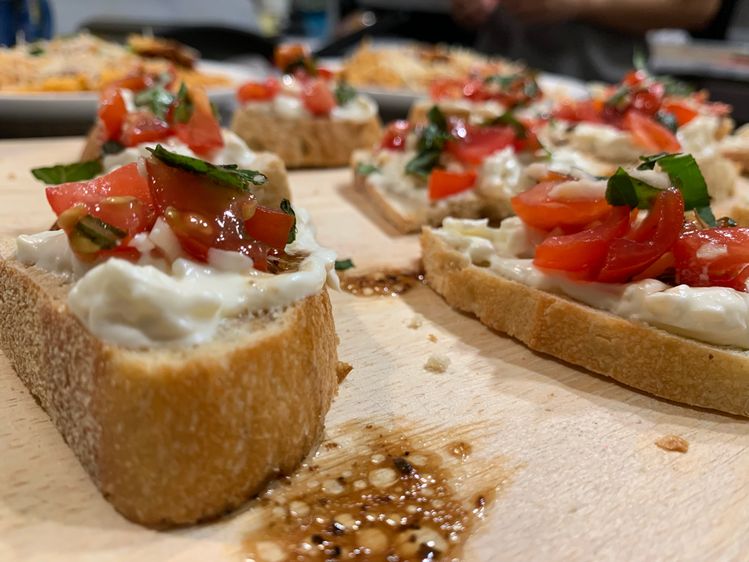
(632, 353)
(270, 194)
(173, 436)
(316, 142)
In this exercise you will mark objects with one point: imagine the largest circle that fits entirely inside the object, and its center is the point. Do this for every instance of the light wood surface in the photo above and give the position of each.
(587, 481)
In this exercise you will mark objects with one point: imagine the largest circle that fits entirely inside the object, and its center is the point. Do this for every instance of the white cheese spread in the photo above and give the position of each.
(716, 315)
(605, 142)
(157, 304)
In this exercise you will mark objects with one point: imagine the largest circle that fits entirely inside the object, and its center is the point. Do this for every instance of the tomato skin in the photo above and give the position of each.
(580, 111)
(722, 269)
(270, 226)
(537, 209)
(681, 112)
(648, 101)
(288, 54)
(202, 132)
(143, 126)
(259, 91)
(644, 245)
(317, 97)
(480, 142)
(122, 182)
(650, 134)
(126, 213)
(395, 135)
(583, 253)
(446, 88)
(444, 184)
(112, 112)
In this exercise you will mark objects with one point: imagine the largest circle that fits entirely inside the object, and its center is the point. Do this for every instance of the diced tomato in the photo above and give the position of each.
(122, 252)
(650, 134)
(444, 184)
(578, 112)
(635, 77)
(288, 54)
(122, 182)
(479, 142)
(202, 132)
(539, 210)
(136, 82)
(446, 88)
(681, 111)
(271, 226)
(326, 73)
(396, 135)
(713, 257)
(259, 91)
(143, 126)
(643, 246)
(648, 100)
(112, 112)
(204, 214)
(317, 97)
(126, 213)
(582, 254)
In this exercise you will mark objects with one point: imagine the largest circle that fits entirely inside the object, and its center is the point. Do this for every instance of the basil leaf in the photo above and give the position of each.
(63, 173)
(431, 141)
(687, 178)
(507, 118)
(649, 162)
(675, 87)
(157, 99)
(667, 119)
(620, 98)
(640, 59)
(289, 210)
(344, 93)
(623, 189)
(364, 169)
(184, 107)
(304, 63)
(36, 50)
(343, 265)
(112, 147)
(229, 175)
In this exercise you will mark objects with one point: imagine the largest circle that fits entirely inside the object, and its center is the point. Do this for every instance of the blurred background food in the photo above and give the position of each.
(705, 42)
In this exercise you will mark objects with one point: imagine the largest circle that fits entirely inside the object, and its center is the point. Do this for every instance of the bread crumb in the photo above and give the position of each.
(416, 322)
(437, 363)
(11, 176)
(673, 443)
(342, 370)
(432, 338)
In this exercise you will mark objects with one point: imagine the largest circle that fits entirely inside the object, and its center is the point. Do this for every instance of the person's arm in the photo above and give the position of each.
(633, 16)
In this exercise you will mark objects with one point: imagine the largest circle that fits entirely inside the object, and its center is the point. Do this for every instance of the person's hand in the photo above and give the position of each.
(545, 11)
(472, 13)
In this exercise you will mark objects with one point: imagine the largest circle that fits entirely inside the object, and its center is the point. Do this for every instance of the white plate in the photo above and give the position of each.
(74, 106)
(399, 101)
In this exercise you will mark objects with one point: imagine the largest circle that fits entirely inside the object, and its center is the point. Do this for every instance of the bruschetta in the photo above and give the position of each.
(608, 275)
(177, 332)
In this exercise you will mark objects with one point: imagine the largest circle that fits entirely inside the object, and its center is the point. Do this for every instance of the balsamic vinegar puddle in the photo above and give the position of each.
(375, 493)
(380, 283)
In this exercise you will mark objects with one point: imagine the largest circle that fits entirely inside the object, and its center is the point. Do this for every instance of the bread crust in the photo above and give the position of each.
(633, 353)
(173, 437)
(315, 142)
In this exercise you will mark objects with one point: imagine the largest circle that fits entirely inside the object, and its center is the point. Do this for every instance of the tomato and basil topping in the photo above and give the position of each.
(466, 144)
(511, 90)
(206, 206)
(600, 239)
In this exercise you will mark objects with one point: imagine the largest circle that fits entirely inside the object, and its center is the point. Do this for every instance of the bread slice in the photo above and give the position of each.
(632, 353)
(316, 142)
(173, 436)
(270, 194)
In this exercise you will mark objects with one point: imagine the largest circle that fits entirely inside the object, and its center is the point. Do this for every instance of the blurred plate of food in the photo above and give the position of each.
(62, 78)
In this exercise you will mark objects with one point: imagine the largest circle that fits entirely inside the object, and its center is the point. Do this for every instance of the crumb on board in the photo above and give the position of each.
(437, 363)
(673, 443)
(342, 370)
(432, 338)
(416, 322)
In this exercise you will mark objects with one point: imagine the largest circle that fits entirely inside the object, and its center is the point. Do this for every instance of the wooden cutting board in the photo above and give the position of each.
(566, 459)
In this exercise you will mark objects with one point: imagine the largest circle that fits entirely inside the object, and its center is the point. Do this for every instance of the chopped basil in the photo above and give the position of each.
(508, 81)
(103, 235)
(620, 98)
(63, 173)
(684, 173)
(675, 87)
(667, 119)
(305, 63)
(157, 99)
(36, 50)
(112, 147)
(289, 210)
(344, 93)
(623, 189)
(343, 265)
(431, 141)
(507, 118)
(229, 175)
(364, 169)
(184, 107)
